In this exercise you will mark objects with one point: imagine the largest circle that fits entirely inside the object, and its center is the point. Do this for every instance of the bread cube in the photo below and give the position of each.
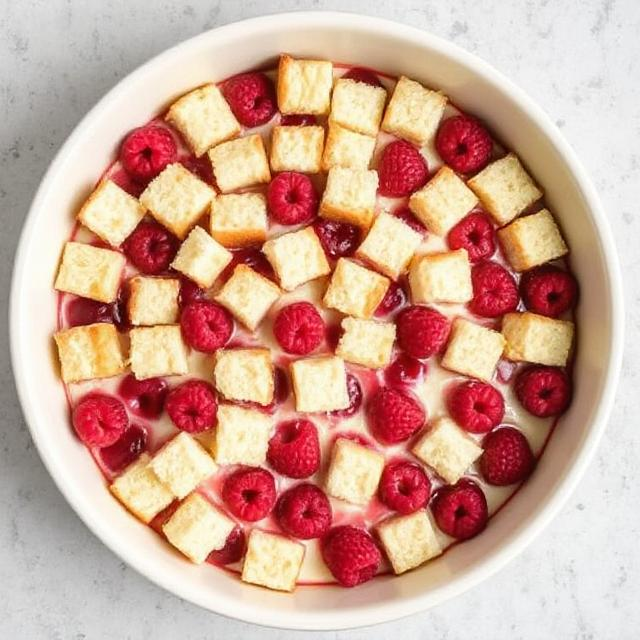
(272, 561)
(347, 148)
(354, 471)
(240, 163)
(153, 300)
(447, 449)
(350, 196)
(355, 290)
(141, 491)
(297, 257)
(304, 86)
(239, 219)
(441, 277)
(242, 435)
(366, 342)
(204, 118)
(248, 295)
(357, 106)
(531, 241)
(177, 199)
(297, 149)
(244, 374)
(505, 189)
(90, 351)
(414, 112)
(533, 338)
(389, 245)
(320, 384)
(442, 202)
(90, 272)
(111, 213)
(408, 541)
(197, 528)
(157, 351)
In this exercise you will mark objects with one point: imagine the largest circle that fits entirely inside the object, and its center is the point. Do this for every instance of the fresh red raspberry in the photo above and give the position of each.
(475, 234)
(476, 406)
(294, 449)
(82, 311)
(361, 74)
(299, 328)
(233, 550)
(189, 292)
(250, 493)
(394, 297)
(460, 510)
(126, 450)
(151, 248)
(144, 398)
(304, 511)
(338, 239)
(192, 406)
(206, 326)
(298, 120)
(394, 416)
(495, 291)
(543, 391)
(351, 555)
(292, 198)
(464, 144)
(402, 169)
(406, 215)
(355, 398)
(146, 151)
(404, 371)
(422, 332)
(404, 487)
(99, 419)
(548, 290)
(252, 98)
(507, 457)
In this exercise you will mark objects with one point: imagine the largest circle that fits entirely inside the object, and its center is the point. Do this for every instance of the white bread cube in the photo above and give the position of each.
(153, 300)
(197, 528)
(534, 338)
(473, 350)
(347, 148)
(366, 342)
(531, 241)
(241, 436)
(204, 118)
(355, 290)
(505, 189)
(297, 257)
(111, 213)
(442, 202)
(244, 374)
(447, 449)
(177, 199)
(357, 106)
(389, 245)
(320, 384)
(90, 351)
(141, 491)
(304, 86)
(272, 561)
(350, 196)
(409, 541)
(354, 472)
(441, 277)
(239, 219)
(240, 163)
(90, 272)
(296, 148)
(157, 351)
(414, 112)
(248, 295)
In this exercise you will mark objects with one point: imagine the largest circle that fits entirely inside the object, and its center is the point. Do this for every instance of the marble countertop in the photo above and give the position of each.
(579, 60)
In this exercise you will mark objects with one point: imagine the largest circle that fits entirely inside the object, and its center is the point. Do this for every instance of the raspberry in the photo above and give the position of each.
(294, 449)
(351, 555)
(475, 234)
(299, 328)
(126, 450)
(201, 167)
(422, 332)
(151, 248)
(402, 169)
(548, 290)
(189, 292)
(476, 406)
(233, 550)
(99, 419)
(338, 239)
(507, 457)
(404, 371)
(406, 215)
(304, 511)
(543, 391)
(292, 198)
(360, 74)
(298, 120)
(460, 510)
(192, 406)
(81, 311)
(206, 326)
(146, 151)
(394, 416)
(464, 144)
(355, 398)
(252, 98)
(144, 398)
(252, 257)
(250, 493)
(394, 297)
(404, 487)
(495, 291)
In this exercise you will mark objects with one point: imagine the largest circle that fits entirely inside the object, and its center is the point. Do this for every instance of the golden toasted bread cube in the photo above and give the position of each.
(350, 196)
(240, 163)
(357, 106)
(242, 435)
(366, 342)
(158, 351)
(296, 148)
(345, 148)
(153, 300)
(441, 277)
(239, 219)
(304, 86)
(244, 374)
(320, 384)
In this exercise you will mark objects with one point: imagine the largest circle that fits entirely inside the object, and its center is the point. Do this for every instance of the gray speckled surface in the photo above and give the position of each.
(579, 60)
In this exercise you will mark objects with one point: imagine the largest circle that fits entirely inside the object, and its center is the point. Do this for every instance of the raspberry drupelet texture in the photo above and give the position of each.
(145, 398)
(475, 234)
(464, 144)
(549, 291)
(543, 391)
(402, 169)
(507, 457)
(304, 511)
(99, 419)
(192, 406)
(394, 416)
(292, 198)
(460, 510)
(294, 449)
(146, 151)
(495, 291)
(404, 487)
(476, 406)
(299, 328)
(338, 239)
(206, 326)
(422, 332)
(250, 493)
(151, 248)
(252, 98)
